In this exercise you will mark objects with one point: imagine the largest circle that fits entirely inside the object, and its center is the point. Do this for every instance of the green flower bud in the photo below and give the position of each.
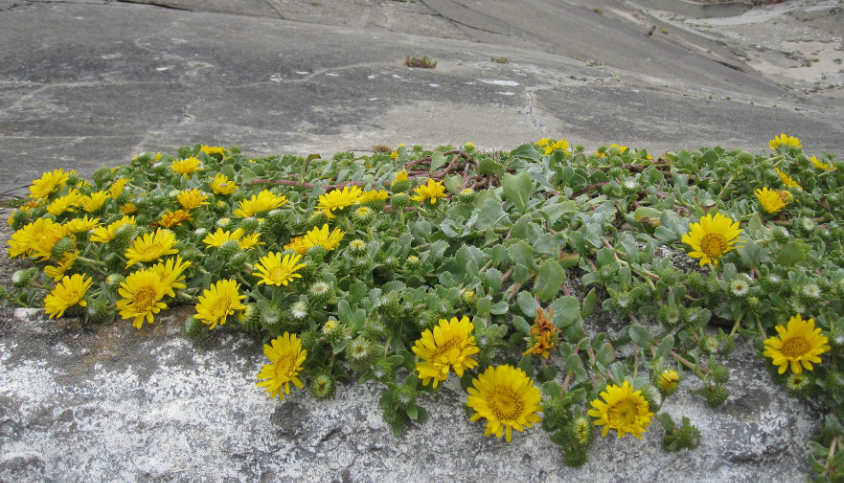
(19, 219)
(319, 294)
(739, 288)
(653, 396)
(360, 352)
(810, 293)
(250, 318)
(228, 249)
(391, 305)
(798, 385)
(399, 187)
(298, 313)
(834, 380)
(249, 225)
(404, 397)
(401, 200)
(323, 385)
(771, 283)
(615, 172)
(412, 264)
(670, 315)
(22, 278)
(709, 345)
(836, 340)
(358, 248)
(309, 338)
(721, 374)
(65, 245)
(316, 253)
(574, 458)
(667, 380)
(467, 196)
(744, 157)
(272, 318)
(97, 310)
(194, 327)
(629, 186)
(318, 219)
(390, 263)
(362, 265)
(394, 417)
(333, 331)
(725, 344)
(689, 436)
(364, 216)
(716, 395)
(695, 281)
(102, 175)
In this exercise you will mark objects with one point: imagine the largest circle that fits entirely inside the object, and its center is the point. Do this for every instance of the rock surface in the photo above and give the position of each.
(107, 403)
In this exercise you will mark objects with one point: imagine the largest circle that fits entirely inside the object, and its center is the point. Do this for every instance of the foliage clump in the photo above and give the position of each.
(412, 267)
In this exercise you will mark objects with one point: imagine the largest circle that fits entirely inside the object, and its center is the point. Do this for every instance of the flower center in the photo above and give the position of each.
(623, 412)
(221, 306)
(144, 299)
(796, 347)
(284, 367)
(505, 404)
(279, 274)
(713, 245)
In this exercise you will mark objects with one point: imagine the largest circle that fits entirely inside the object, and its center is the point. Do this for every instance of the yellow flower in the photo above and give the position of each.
(449, 346)
(622, 149)
(65, 264)
(142, 292)
(298, 245)
(219, 237)
(192, 199)
(712, 238)
(107, 234)
(128, 208)
(401, 176)
(117, 187)
(222, 186)
(48, 183)
(249, 242)
(77, 225)
(339, 199)
(220, 301)
(394, 155)
(543, 142)
(469, 145)
(36, 238)
(263, 201)
(68, 202)
(68, 293)
(798, 345)
(562, 145)
(170, 273)
(287, 356)
(783, 139)
(820, 165)
(213, 150)
(173, 218)
(151, 247)
(272, 270)
(788, 180)
(94, 201)
(186, 166)
(770, 200)
(321, 237)
(622, 410)
(506, 397)
(373, 195)
(431, 191)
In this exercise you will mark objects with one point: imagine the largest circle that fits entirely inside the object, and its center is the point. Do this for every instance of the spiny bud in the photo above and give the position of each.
(834, 380)
(696, 281)
(220, 207)
(716, 395)
(689, 437)
(101, 175)
(629, 186)
(374, 329)
(122, 237)
(382, 371)
(194, 327)
(574, 458)
(277, 218)
(721, 374)
(228, 249)
(391, 305)
(323, 385)
(316, 253)
(19, 219)
(360, 352)
(428, 319)
(805, 225)
(653, 396)
(404, 397)
(725, 344)
(332, 331)
(670, 315)
(399, 187)
(364, 216)
(224, 223)
(298, 313)
(555, 409)
(309, 340)
(470, 298)
(709, 345)
(357, 248)
(394, 416)
(250, 318)
(467, 196)
(65, 245)
(362, 265)
(319, 294)
(754, 304)
(836, 339)
(771, 282)
(318, 219)
(97, 310)
(744, 157)
(810, 293)
(249, 225)
(400, 201)
(391, 263)
(272, 318)
(412, 263)
(739, 288)
(22, 278)
(615, 172)
(798, 385)
(238, 261)
(803, 162)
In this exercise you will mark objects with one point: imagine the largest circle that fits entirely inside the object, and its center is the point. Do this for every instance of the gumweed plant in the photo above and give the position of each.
(421, 268)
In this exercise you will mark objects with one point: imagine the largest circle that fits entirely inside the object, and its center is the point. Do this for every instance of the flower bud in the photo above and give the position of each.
(194, 327)
(716, 395)
(721, 374)
(65, 245)
(744, 157)
(272, 318)
(309, 338)
(400, 201)
(298, 313)
(323, 385)
(228, 249)
(667, 381)
(97, 311)
(319, 294)
(250, 318)
(394, 416)
(399, 187)
(574, 458)
(404, 397)
(798, 385)
(653, 397)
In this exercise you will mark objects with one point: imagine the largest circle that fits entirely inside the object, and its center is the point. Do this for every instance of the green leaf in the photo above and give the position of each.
(522, 253)
(527, 304)
(488, 166)
(665, 235)
(588, 304)
(499, 308)
(521, 325)
(665, 346)
(566, 311)
(412, 412)
(791, 254)
(550, 280)
(517, 189)
(453, 183)
(526, 151)
(423, 415)
(606, 354)
(554, 211)
(490, 213)
(526, 364)
(641, 336)
(646, 214)
(438, 160)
